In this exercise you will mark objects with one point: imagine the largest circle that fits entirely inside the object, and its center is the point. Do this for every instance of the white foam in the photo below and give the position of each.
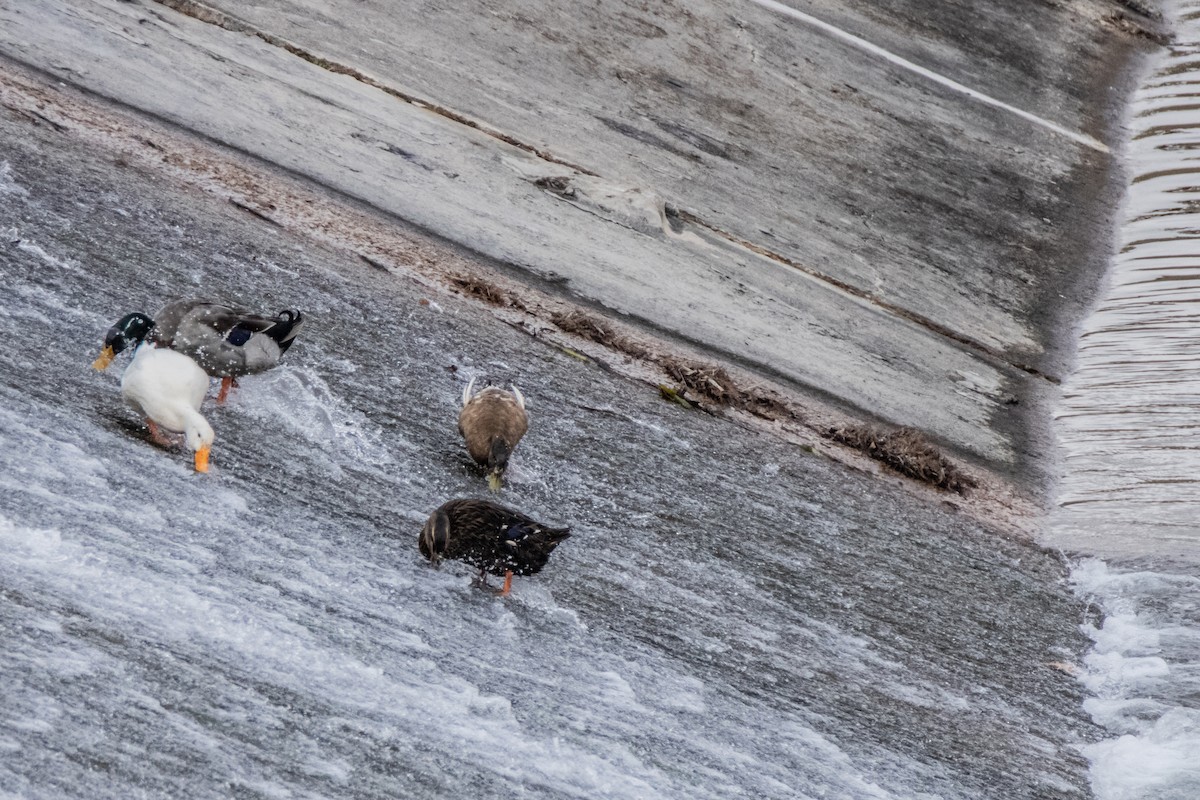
(299, 399)
(1142, 669)
(1162, 763)
(49, 259)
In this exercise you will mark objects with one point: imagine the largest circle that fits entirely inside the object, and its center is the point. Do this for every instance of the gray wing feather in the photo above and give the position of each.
(200, 329)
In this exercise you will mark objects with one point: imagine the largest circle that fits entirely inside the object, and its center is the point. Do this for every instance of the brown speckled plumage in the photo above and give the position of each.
(487, 535)
(492, 422)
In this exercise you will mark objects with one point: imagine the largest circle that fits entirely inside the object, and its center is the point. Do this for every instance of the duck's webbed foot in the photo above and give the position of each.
(157, 436)
(481, 581)
(227, 383)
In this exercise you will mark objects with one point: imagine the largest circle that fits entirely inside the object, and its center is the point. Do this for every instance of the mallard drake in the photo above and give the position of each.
(487, 535)
(167, 388)
(226, 342)
(492, 421)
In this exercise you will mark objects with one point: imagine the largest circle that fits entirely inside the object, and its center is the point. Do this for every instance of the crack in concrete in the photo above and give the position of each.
(854, 291)
(928, 74)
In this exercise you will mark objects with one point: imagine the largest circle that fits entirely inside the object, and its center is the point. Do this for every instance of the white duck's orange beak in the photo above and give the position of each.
(104, 359)
(202, 458)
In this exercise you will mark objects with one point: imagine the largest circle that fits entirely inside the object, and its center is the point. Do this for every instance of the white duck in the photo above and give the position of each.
(167, 388)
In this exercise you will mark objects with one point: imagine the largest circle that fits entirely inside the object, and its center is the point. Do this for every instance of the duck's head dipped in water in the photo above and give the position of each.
(496, 539)
(492, 422)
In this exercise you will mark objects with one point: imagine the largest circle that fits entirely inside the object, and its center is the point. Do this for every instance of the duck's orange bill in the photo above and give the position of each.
(202, 458)
(104, 359)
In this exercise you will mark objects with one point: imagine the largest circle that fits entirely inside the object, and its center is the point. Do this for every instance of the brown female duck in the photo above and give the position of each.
(492, 421)
(487, 535)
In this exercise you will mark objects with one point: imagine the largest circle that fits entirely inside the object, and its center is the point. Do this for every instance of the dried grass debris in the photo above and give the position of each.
(1126, 24)
(588, 327)
(559, 185)
(699, 385)
(766, 405)
(488, 292)
(714, 384)
(710, 382)
(1140, 7)
(907, 451)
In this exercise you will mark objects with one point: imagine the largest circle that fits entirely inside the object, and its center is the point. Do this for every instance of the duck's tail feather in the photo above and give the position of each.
(555, 535)
(550, 536)
(467, 391)
(284, 331)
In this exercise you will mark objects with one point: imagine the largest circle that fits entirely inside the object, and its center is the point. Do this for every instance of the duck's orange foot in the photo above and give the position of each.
(157, 436)
(227, 383)
(507, 584)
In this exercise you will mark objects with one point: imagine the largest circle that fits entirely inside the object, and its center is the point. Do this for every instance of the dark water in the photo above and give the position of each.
(733, 617)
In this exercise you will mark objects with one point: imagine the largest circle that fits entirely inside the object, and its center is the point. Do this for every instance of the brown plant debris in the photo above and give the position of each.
(706, 380)
(1140, 7)
(907, 451)
(714, 384)
(709, 385)
(1128, 25)
(489, 293)
(765, 405)
(594, 330)
(575, 354)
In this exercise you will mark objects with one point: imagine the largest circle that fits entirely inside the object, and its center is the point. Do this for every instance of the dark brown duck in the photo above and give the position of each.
(487, 535)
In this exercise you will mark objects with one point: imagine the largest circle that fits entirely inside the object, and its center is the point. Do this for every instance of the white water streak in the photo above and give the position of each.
(929, 74)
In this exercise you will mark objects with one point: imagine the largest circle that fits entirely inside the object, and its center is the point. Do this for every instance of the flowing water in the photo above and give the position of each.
(1130, 425)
